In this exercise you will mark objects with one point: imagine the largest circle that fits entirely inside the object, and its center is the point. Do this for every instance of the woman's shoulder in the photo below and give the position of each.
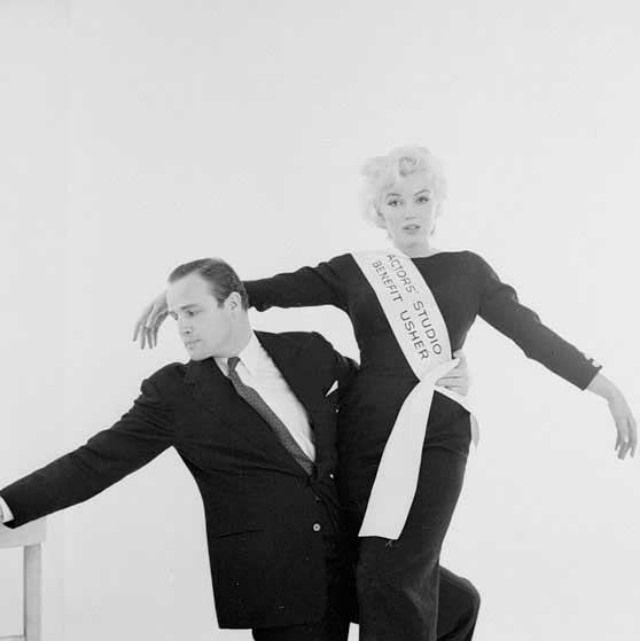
(468, 262)
(472, 258)
(464, 257)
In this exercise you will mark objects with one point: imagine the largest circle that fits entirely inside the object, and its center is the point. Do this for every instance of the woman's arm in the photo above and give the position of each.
(500, 307)
(306, 287)
(626, 426)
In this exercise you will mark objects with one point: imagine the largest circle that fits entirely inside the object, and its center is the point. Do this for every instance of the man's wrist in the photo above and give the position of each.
(5, 512)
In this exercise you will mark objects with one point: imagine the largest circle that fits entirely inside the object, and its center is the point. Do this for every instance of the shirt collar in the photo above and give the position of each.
(249, 356)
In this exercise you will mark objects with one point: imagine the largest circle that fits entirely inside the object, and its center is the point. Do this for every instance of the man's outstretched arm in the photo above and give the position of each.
(138, 437)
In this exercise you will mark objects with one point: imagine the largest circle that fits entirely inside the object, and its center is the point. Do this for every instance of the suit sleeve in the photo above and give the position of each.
(344, 369)
(306, 287)
(500, 307)
(137, 438)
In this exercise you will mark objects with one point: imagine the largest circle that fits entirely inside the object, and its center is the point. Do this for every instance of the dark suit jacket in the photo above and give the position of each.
(267, 559)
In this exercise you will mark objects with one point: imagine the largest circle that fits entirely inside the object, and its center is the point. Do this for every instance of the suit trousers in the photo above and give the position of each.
(403, 593)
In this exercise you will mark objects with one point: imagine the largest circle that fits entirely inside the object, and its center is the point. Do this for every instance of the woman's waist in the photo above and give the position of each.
(376, 401)
(399, 380)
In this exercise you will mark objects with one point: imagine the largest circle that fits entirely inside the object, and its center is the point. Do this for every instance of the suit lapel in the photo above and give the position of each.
(297, 372)
(213, 391)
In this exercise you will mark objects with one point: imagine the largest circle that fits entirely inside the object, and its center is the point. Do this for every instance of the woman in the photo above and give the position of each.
(411, 309)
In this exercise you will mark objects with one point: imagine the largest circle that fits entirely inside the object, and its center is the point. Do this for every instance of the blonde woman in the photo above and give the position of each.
(403, 441)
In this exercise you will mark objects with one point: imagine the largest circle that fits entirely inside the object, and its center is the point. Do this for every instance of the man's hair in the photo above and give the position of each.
(221, 277)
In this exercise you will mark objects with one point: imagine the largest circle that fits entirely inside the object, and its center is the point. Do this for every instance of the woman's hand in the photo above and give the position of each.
(457, 380)
(626, 427)
(146, 329)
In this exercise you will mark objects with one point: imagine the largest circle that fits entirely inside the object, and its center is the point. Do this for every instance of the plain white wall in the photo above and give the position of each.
(238, 129)
(33, 37)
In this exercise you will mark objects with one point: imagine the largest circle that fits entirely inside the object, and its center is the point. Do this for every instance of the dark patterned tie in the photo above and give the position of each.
(257, 402)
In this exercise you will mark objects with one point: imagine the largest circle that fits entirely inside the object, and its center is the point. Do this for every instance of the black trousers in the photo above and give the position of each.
(403, 594)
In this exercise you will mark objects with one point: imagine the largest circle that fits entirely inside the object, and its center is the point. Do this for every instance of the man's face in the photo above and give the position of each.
(206, 328)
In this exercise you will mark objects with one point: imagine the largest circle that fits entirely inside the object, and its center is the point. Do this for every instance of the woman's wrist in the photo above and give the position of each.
(605, 388)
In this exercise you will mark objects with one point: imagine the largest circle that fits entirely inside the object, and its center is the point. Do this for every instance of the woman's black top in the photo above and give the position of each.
(464, 286)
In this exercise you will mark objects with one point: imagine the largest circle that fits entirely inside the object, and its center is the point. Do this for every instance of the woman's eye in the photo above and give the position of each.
(393, 203)
(423, 199)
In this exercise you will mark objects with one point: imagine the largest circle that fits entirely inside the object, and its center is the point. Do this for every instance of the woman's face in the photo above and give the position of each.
(408, 209)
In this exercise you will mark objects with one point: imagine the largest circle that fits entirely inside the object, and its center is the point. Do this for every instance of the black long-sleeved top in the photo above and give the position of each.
(464, 287)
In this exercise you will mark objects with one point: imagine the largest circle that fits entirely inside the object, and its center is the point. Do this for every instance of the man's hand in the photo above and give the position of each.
(147, 326)
(457, 380)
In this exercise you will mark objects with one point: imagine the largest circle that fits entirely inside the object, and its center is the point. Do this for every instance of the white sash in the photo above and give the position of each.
(419, 328)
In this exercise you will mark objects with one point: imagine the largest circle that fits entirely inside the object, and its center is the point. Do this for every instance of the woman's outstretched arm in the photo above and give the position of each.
(306, 287)
(500, 307)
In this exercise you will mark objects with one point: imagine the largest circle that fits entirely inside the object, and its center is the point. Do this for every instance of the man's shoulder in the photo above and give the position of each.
(169, 375)
(295, 340)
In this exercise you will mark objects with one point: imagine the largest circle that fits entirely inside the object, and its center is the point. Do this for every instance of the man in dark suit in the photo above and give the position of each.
(252, 415)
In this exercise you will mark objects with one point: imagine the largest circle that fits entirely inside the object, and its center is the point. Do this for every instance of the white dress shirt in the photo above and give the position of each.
(257, 370)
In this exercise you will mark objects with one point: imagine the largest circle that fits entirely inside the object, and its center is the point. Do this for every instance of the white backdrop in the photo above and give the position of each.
(137, 134)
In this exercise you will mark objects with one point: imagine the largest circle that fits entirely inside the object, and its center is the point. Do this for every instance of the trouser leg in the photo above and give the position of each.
(398, 581)
(305, 632)
(459, 602)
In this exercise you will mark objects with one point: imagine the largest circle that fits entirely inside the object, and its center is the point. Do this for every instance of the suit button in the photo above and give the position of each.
(317, 527)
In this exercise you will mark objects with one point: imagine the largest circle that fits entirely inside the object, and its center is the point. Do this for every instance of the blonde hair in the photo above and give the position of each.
(381, 172)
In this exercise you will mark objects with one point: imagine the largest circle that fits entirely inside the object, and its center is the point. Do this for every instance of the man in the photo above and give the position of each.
(252, 415)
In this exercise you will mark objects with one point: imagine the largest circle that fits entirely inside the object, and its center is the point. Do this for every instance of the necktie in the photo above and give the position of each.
(256, 401)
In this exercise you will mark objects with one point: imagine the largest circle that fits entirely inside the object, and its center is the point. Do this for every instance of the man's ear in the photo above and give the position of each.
(233, 302)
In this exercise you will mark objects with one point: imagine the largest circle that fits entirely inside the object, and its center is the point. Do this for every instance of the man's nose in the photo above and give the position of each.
(185, 328)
